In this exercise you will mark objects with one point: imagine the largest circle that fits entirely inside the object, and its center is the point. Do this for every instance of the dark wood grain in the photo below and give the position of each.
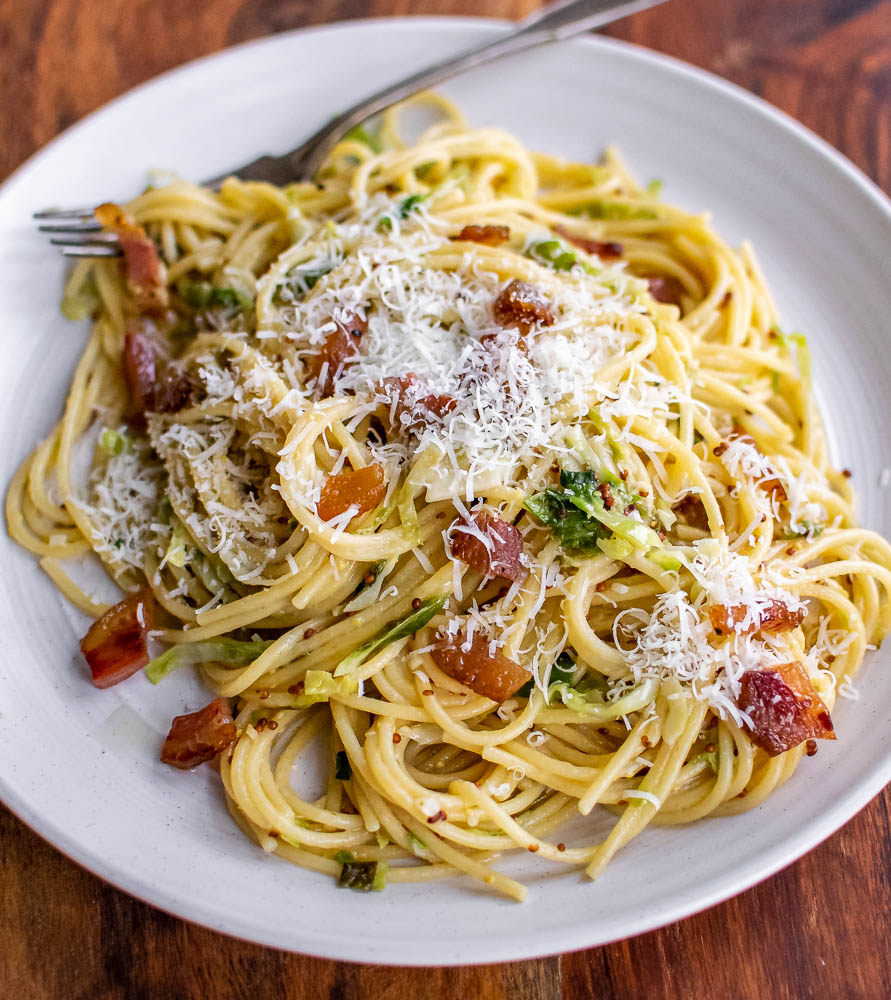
(820, 929)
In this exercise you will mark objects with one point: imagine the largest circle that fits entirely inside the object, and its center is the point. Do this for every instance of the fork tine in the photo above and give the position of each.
(80, 235)
(83, 238)
(85, 226)
(63, 213)
(90, 250)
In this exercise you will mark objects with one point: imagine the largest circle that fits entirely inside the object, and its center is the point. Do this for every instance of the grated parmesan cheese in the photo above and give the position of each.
(674, 641)
(742, 458)
(511, 403)
(124, 497)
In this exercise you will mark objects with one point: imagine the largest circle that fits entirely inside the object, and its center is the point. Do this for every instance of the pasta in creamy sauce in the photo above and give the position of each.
(488, 475)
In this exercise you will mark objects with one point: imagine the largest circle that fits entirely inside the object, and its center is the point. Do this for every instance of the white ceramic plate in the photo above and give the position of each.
(80, 765)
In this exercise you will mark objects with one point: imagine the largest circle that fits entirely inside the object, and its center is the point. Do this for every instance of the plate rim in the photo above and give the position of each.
(196, 910)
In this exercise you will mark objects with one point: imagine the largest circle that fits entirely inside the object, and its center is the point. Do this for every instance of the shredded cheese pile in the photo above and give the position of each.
(676, 640)
(513, 401)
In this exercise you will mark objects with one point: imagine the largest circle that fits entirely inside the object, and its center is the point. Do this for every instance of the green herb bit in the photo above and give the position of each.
(360, 134)
(342, 769)
(573, 528)
(231, 298)
(592, 704)
(114, 442)
(345, 857)
(204, 295)
(417, 845)
(411, 204)
(393, 632)
(664, 559)
(615, 210)
(579, 518)
(796, 342)
(188, 654)
(654, 188)
(321, 685)
(803, 529)
(709, 757)
(555, 254)
(584, 490)
(561, 672)
(364, 876)
(302, 278)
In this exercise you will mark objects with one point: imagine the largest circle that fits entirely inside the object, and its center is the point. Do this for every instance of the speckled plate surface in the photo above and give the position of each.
(80, 765)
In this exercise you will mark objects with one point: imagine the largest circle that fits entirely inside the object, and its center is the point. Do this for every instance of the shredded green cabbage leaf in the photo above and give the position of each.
(188, 654)
(393, 632)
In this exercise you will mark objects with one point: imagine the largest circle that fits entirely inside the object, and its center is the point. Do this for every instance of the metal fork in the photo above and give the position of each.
(78, 234)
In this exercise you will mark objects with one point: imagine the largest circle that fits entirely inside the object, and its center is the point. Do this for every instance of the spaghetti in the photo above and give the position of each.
(489, 475)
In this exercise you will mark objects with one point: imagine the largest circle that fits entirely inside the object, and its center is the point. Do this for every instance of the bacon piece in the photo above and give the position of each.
(365, 488)
(199, 736)
(605, 251)
(408, 391)
(777, 616)
(172, 392)
(494, 343)
(146, 274)
(148, 391)
(522, 305)
(691, 509)
(491, 236)
(437, 403)
(775, 488)
(502, 552)
(666, 289)
(784, 708)
(115, 645)
(494, 677)
(339, 347)
(140, 369)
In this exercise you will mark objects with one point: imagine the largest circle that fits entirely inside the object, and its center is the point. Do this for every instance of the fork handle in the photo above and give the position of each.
(552, 23)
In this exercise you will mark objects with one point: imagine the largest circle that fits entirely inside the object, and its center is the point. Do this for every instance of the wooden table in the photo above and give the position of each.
(818, 929)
